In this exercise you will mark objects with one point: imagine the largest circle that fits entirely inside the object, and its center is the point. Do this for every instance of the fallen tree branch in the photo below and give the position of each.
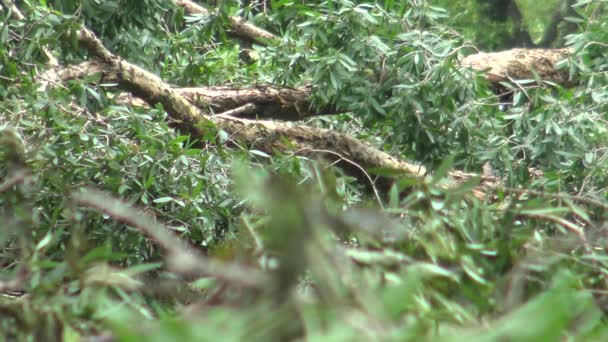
(271, 102)
(520, 64)
(268, 136)
(239, 26)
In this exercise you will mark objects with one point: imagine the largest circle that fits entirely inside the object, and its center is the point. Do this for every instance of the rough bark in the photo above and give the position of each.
(269, 136)
(289, 104)
(520, 64)
(271, 102)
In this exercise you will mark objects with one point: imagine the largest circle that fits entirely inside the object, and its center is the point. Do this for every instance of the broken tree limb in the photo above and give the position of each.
(289, 104)
(239, 26)
(270, 101)
(181, 258)
(268, 136)
(148, 86)
(88, 68)
(521, 64)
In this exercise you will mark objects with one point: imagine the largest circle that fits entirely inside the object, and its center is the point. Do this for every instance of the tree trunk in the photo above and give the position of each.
(505, 11)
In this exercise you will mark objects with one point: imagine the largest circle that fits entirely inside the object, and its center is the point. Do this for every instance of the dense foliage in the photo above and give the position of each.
(420, 262)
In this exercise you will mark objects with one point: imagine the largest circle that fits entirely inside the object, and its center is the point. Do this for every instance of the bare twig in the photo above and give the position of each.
(572, 227)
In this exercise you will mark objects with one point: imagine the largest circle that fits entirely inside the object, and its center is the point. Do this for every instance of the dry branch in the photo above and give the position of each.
(181, 258)
(289, 104)
(264, 135)
(520, 64)
(239, 26)
(270, 102)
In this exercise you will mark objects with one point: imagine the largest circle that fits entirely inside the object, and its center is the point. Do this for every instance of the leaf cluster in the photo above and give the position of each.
(425, 261)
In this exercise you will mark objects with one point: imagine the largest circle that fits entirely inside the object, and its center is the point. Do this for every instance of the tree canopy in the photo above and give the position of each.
(303, 170)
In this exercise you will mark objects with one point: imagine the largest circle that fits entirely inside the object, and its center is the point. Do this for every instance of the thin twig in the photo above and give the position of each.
(577, 230)
(369, 178)
(236, 112)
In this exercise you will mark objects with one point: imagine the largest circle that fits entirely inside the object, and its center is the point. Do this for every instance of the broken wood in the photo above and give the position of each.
(270, 101)
(521, 64)
(268, 136)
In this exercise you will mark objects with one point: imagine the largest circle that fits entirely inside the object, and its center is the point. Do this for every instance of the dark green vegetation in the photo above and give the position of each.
(318, 256)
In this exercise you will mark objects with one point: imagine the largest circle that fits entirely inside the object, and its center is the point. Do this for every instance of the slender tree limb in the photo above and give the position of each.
(16, 13)
(148, 86)
(240, 111)
(240, 27)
